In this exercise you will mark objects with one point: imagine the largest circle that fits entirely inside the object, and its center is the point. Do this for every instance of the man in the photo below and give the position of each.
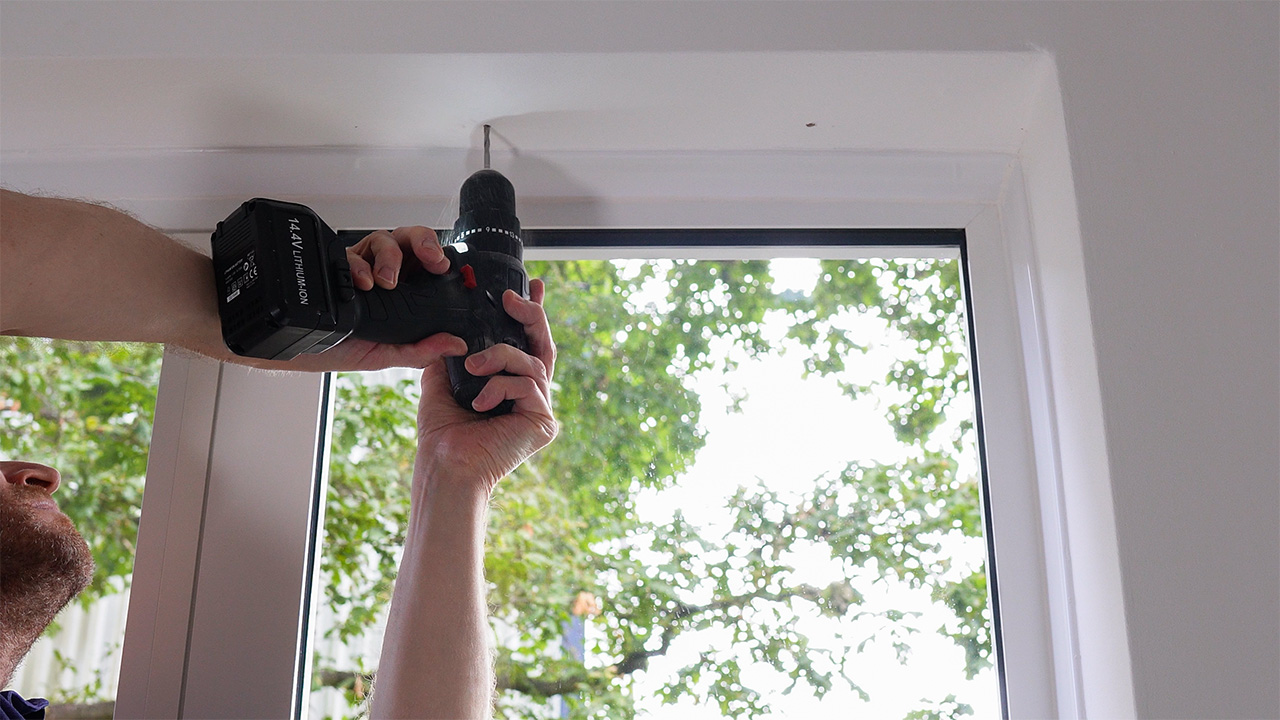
(79, 271)
(44, 563)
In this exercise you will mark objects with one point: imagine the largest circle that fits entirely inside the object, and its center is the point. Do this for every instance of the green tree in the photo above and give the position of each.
(565, 541)
(565, 538)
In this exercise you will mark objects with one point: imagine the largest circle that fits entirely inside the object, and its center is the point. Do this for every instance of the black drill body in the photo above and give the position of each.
(285, 288)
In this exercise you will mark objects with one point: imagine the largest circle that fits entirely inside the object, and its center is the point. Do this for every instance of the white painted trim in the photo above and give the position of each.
(164, 569)
(227, 529)
(187, 191)
(313, 590)
(1042, 425)
(728, 252)
(1030, 648)
(259, 527)
(1039, 210)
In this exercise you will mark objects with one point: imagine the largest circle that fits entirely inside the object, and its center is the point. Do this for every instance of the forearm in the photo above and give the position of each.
(78, 271)
(435, 658)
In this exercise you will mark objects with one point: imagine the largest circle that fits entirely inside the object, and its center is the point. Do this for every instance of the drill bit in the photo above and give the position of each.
(486, 147)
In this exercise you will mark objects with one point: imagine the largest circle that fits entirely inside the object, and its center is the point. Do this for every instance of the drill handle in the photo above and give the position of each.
(466, 302)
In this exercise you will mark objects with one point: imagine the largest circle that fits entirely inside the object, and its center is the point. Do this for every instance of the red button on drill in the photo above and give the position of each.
(468, 277)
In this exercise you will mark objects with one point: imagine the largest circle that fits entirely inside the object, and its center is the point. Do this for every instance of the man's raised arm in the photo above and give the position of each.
(435, 658)
(77, 271)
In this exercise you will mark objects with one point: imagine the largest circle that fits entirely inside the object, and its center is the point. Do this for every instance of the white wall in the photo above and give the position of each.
(1173, 120)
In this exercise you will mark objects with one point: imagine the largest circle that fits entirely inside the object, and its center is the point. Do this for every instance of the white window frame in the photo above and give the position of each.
(229, 525)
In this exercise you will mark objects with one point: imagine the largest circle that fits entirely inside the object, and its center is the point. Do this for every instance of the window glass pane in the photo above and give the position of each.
(84, 409)
(765, 499)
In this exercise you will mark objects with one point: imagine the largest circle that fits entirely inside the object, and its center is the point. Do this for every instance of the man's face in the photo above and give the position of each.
(41, 553)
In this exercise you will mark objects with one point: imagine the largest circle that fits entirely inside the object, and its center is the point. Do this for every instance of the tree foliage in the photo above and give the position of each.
(564, 527)
(565, 543)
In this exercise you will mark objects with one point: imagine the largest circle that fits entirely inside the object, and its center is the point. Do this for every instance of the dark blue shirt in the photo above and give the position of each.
(14, 707)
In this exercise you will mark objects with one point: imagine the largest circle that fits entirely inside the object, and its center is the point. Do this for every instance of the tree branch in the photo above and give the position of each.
(575, 678)
(841, 598)
(343, 680)
(639, 660)
(81, 711)
(511, 676)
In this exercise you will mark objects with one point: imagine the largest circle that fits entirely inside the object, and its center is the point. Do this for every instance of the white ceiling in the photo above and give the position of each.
(536, 103)
(550, 76)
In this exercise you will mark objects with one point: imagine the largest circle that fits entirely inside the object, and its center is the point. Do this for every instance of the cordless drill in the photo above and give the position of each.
(285, 288)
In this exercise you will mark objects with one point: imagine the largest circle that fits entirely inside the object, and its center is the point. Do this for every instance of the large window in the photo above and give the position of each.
(86, 410)
(766, 497)
(808, 400)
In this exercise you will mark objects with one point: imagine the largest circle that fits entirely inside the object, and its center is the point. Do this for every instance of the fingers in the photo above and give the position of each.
(425, 246)
(505, 358)
(379, 256)
(534, 318)
(528, 378)
(528, 395)
(375, 259)
(424, 352)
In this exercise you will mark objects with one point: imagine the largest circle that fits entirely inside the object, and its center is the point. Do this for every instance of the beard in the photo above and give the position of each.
(44, 562)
